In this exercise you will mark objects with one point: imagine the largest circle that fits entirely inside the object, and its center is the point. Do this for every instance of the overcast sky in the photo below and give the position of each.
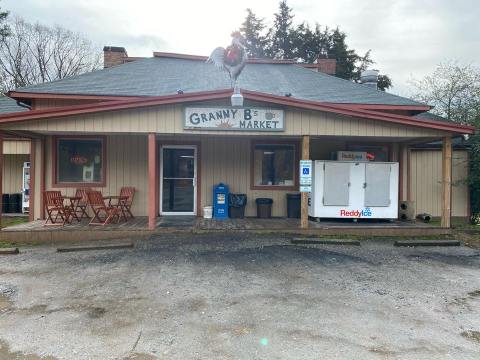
(407, 37)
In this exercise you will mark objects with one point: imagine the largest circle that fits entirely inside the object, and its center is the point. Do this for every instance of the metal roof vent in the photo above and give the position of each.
(369, 78)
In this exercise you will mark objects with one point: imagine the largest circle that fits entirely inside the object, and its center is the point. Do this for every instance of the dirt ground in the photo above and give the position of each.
(240, 296)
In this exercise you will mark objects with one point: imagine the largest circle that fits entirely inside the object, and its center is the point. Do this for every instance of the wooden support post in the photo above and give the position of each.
(409, 175)
(42, 176)
(446, 182)
(152, 181)
(401, 169)
(304, 205)
(1, 178)
(33, 181)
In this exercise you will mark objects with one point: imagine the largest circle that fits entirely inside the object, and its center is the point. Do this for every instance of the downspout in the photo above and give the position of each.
(24, 105)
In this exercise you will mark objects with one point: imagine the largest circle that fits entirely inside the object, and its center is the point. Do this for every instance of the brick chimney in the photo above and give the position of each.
(113, 55)
(326, 65)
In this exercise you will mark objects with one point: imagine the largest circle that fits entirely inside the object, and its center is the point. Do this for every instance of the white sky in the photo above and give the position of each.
(407, 37)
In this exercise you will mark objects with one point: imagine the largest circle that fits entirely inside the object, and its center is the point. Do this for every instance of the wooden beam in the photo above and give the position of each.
(409, 175)
(1, 178)
(42, 176)
(304, 204)
(33, 180)
(446, 182)
(152, 181)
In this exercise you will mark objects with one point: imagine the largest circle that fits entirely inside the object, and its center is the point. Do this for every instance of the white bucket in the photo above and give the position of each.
(207, 212)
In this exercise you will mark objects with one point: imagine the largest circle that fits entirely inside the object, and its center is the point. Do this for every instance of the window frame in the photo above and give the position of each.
(55, 141)
(296, 148)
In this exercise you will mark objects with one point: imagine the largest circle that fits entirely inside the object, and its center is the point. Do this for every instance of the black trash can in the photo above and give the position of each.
(236, 205)
(264, 207)
(15, 205)
(293, 205)
(5, 203)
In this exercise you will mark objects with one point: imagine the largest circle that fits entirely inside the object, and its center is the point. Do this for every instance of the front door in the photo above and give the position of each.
(178, 178)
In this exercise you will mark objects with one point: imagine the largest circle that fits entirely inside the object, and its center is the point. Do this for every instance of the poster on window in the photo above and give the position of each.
(232, 118)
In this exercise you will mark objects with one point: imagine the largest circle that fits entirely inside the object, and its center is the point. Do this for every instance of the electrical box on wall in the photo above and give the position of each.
(354, 189)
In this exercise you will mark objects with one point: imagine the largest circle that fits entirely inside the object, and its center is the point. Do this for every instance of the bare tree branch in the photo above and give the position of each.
(35, 53)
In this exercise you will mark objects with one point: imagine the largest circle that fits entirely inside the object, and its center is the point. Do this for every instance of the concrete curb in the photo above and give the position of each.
(428, 243)
(95, 247)
(9, 251)
(313, 241)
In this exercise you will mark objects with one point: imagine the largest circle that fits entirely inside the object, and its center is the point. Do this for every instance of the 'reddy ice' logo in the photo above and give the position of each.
(366, 212)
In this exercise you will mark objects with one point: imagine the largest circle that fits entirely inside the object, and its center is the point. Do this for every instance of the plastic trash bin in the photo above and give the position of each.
(15, 205)
(264, 207)
(5, 203)
(236, 205)
(293, 205)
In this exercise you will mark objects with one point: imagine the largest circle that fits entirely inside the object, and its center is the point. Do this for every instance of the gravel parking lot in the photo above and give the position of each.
(241, 296)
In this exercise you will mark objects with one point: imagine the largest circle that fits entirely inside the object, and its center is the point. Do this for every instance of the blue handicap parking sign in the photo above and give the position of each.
(306, 171)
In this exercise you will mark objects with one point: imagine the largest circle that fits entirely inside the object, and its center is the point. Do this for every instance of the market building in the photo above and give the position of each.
(166, 126)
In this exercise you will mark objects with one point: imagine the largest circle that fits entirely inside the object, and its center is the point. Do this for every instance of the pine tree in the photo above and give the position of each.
(282, 33)
(252, 30)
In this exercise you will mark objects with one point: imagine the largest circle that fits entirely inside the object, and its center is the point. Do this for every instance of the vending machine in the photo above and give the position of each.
(26, 187)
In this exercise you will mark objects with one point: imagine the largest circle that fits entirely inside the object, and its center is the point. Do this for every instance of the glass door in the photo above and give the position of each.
(178, 180)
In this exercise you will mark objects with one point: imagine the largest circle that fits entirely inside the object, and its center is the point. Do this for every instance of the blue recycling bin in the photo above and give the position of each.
(220, 201)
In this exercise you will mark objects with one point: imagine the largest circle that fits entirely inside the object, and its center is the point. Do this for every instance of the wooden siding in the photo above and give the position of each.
(227, 160)
(13, 172)
(126, 166)
(16, 147)
(426, 166)
(169, 120)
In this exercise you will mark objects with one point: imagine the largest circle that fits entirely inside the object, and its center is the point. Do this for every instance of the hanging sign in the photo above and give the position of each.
(233, 118)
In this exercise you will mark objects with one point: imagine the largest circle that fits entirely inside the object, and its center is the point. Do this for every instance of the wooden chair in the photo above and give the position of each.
(97, 203)
(82, 205)
(54, 207)
(125, 205)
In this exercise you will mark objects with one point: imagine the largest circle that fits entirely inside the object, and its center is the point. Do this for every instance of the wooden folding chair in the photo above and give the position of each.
(82, 205)
(54, 207)
(125, 201)
(97, 203)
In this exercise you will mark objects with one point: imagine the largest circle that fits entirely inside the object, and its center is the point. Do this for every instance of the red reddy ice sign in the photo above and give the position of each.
(366, 212)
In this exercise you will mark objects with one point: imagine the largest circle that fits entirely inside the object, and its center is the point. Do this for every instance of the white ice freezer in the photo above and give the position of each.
(352, 189)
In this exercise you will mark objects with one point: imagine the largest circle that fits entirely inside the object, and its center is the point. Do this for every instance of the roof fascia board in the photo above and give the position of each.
(368, 114)
(115, 105)
(220, 94)
(385, 106)
(34, 95)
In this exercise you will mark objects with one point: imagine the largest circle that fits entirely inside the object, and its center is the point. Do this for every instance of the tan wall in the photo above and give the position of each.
(169, 120)
(126, 166)
(12, 173)
(228, 160)
(426, 168)
(222, 159)
(16, 147)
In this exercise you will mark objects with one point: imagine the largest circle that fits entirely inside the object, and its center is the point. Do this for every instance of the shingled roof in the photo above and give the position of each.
(8, 105)
(159, 76)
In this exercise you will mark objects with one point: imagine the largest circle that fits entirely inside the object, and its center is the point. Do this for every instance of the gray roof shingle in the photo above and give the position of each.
(159, 76)
(8, 105)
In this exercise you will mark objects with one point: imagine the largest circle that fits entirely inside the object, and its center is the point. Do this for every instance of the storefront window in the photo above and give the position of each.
(79, 161)
(274, 165)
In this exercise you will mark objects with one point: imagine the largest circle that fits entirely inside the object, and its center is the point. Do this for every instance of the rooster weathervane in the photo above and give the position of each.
(232, 59)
